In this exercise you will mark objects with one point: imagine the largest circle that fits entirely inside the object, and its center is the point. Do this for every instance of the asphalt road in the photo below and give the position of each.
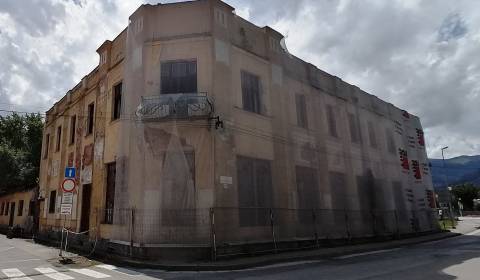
(453, 258)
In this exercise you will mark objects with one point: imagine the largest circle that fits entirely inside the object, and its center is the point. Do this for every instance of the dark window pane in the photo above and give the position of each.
(179, 77)
(73, 123)
(20, 208)
(51, 206)
(59, 138)
(117, 101)
(110, 195)
(90, 120)
(251, 92)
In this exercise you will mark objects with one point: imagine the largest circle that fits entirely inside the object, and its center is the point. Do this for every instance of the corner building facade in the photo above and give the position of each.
(198, 129)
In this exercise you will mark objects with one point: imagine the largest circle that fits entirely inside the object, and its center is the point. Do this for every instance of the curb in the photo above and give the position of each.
(258, 261)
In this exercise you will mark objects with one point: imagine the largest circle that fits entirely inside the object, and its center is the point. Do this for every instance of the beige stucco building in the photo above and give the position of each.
(194, 113)
(18, 209)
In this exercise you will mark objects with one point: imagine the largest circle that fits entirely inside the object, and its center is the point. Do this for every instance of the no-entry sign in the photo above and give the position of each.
(68, 185)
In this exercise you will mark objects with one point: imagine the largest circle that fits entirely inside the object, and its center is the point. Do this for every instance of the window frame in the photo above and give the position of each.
(52, 202)
(253, 212)
(117, 100)
(301, 110)
(251, 98)
(20, 208)
(110, 193)
(172, 86)
(47, 146)
(331, 121)
(58, 143)
(73, 127)
(90, 119)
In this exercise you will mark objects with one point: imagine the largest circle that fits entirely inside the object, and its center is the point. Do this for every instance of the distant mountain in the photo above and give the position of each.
(463, 169)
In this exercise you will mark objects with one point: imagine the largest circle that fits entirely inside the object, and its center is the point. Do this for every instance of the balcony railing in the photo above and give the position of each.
(175, 106)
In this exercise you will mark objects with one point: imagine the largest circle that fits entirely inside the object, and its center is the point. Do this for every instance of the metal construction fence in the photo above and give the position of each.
(230, 231)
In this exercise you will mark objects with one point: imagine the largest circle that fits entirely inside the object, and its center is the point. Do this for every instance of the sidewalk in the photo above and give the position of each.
(248, 262)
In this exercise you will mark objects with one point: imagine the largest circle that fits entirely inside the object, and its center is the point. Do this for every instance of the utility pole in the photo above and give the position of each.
(448, 188)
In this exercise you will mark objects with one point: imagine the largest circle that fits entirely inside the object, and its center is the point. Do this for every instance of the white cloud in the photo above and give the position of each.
(419, 55)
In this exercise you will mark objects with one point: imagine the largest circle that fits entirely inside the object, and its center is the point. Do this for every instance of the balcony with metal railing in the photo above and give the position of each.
(175, 106)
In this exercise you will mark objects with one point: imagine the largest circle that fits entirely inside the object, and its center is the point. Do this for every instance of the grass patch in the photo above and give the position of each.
(447, 224)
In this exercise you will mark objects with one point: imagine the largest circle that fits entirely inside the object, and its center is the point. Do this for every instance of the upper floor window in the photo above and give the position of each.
(90, 118)
(117, 101)
(251, 92)
(354, 128)
(52, 202)
(179, 77)
(332, 123)
(301, 106)
(47, 144)
(59, 138)
(221, 17)
(73, 124)
(103, 58)
(20, 208)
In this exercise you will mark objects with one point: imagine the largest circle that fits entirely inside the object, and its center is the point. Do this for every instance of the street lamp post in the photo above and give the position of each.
(448, 188)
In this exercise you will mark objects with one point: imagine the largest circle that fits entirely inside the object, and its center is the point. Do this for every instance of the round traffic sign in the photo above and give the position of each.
(68, 185)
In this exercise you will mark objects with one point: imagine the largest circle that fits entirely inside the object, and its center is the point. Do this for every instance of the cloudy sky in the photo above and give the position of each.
(423, 56)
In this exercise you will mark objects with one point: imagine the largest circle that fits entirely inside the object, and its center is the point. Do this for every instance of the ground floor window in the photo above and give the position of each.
(255, 194)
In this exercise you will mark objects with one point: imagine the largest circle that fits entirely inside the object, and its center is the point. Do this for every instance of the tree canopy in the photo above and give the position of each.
(467, 193)
(20, 151)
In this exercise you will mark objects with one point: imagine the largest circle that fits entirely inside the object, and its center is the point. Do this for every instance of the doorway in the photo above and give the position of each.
(86, 197)
(12, 214)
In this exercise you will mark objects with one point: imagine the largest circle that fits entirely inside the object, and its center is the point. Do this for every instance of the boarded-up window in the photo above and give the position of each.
(308, 193)
(110, 193)
(73, 123)
(179, 77)
(371, 135)
(390, 142)
(117, 101)
(338, 192)
(52, 201)
(254, 191)
(251, 92)
(90, 118)
(59, 138)
(20, 208)
(354, 128)
(332, 122)
(301, 106)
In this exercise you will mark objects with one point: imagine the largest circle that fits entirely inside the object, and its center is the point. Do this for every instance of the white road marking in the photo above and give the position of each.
(366, 253)
(53, 274)
(473, 232)
(15, 274)
(91, 273)
(7, 249)
(17, 261)
(119, 270)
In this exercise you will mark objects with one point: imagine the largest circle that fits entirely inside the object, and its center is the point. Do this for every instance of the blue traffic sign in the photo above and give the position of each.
(70, 172)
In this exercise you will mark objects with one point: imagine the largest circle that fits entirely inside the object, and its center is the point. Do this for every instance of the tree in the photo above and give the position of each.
(467, 193)
(20, 151)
